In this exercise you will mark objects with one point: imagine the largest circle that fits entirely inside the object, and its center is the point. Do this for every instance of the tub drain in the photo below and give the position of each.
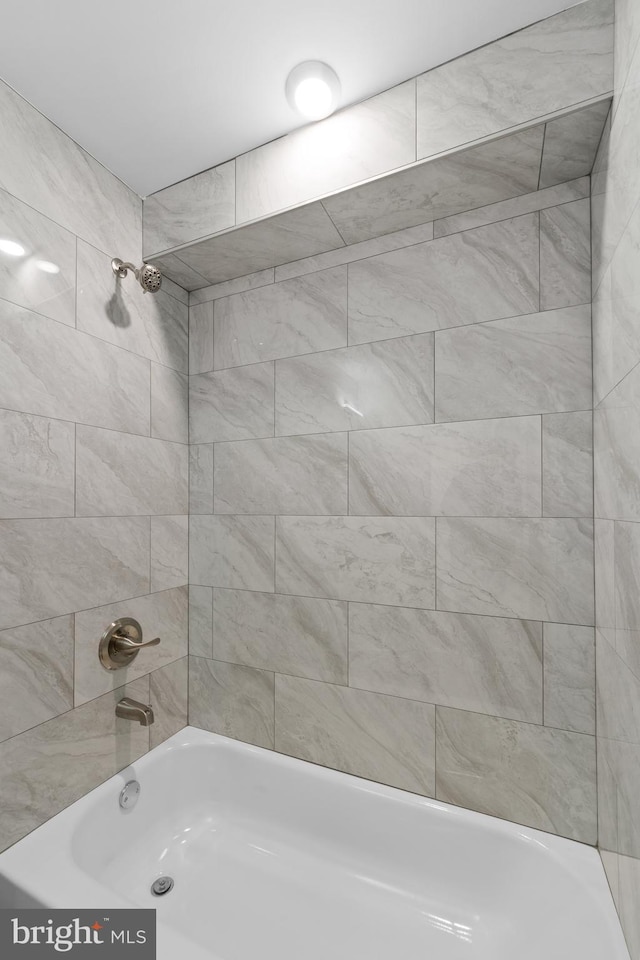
(161, 886)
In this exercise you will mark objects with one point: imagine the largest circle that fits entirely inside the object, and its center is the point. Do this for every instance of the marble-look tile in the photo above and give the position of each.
(628, 899)
(506, 209)
(302, 232)
(604, 532)
(201, 337)
(169, 695)
(295, 475)
(120, 475)
(189, 210)
(530, 568)
(483, 274)
(381, 384)
(177, 271)
(57, 762)
(109, 387)
(569, 677)
(390, 560)
(626, 571)
(618, 691)
(626, 764)
(232, 404)
(169, 404)
(607, 791)
(227, 288)
(282, 320)
(483, 664)
(51, 292)
(201, 478)
(480, 468)
(565, 255)
(201, 621)
(233, 552)
(627, 34)
(296, 635)
(66, 565)
(169, 552)
(616, 446)
(376, 135)
(570, 144)
(232, 700)
(495, 369)
(151, 325)
(46, 169)
(439, 188)
(567, 464)
(37, 672)
(356, 251)
(386, 739)
(563, 60)
(178, 292)
(537, 776)
(38, 466)
(163, 615)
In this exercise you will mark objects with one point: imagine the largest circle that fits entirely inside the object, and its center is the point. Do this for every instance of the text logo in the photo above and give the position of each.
(37, 934)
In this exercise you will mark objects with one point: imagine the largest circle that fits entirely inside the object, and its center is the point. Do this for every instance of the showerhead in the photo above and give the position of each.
(148, 276)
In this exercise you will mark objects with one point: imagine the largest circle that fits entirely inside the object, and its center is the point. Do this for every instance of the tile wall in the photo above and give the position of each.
(391, 532)
(94, 479)
(616, 330)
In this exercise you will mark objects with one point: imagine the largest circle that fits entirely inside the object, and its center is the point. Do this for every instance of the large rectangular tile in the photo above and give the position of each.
(567, 464)
(153, 325)
(169, 404)
(234, 552)
(227, 288)
(233, 700)
(356, 388)
(189, 210)
(178, 272)
(295, 635)
(301, 232)
(201, 478)
(44, 277)
(439, 188)
(201, 337)
(539, 363)
(118, 474)
(282, 320)
(626, 573)
(201, 621)
(506, 209)
(46, 169)
(169, 696)
(569, 677)
(387, 739)
(38, 466)
(530, 568)
(618, 689)
(386, 559)
(169, 552)
(57, 762)
(483, 274)
(570, 144)
(478, 468)
(616, 446)
(109, 387)
(565, 255)
(163, 615)
(232, 404)
(483, 664)
(374, 136)
(36, 682)
(66, 565)
(534, 775)
(297, 475)
(559, 61)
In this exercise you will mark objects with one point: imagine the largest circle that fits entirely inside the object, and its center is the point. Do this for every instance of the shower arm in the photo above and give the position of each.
(120, 268)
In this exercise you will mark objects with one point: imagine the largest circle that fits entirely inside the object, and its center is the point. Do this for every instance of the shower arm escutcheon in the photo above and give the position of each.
(121, 643)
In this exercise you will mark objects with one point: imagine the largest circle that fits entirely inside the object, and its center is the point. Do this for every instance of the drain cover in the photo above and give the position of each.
(161, 886)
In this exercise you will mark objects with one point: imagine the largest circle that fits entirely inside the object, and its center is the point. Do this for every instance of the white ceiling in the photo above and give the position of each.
(158, 90)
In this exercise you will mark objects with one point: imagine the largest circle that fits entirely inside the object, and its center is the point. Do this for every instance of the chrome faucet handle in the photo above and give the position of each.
(121, 643)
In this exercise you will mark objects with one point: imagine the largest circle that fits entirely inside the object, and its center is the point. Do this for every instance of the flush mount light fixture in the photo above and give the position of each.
(47, 266)
(11, 248)
(313, 89)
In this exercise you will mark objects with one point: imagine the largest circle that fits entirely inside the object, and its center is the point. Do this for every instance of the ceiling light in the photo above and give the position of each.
(313, 89)
(11, 248)
(47, 266)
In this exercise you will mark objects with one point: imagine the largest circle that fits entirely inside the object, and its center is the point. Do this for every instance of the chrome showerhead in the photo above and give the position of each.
(148, 276)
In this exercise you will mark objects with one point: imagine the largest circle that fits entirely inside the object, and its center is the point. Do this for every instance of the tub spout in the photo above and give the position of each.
(132, 710)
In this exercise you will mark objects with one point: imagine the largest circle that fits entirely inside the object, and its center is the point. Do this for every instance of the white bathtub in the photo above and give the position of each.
(277, 859)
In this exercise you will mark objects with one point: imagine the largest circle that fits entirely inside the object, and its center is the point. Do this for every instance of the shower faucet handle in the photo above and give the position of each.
(121, 643)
